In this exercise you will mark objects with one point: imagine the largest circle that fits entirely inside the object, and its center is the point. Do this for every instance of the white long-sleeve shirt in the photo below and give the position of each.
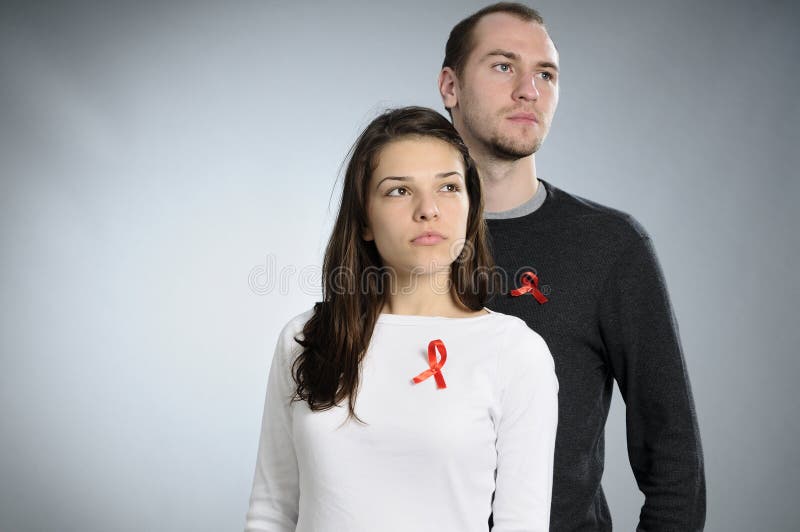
(427, 459)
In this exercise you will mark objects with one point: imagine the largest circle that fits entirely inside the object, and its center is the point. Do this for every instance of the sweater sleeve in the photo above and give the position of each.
(274, 499)
(526, 432)
(645, 356)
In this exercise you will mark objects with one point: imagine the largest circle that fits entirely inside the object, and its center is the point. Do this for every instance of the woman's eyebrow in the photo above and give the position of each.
(448, 174)
(394, 178)
(440, 175)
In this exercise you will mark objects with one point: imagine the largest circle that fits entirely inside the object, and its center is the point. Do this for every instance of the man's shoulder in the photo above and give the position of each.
(593, 218)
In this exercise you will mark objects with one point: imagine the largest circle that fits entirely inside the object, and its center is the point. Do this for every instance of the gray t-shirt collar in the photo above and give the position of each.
(525, 209)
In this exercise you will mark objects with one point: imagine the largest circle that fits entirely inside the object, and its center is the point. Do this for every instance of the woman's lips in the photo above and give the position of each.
(428, 239)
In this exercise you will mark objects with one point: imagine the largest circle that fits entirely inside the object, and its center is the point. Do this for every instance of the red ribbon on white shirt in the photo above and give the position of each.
(435, 366)
(530, 285)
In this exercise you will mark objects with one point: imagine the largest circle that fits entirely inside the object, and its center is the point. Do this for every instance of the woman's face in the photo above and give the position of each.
(417, 205)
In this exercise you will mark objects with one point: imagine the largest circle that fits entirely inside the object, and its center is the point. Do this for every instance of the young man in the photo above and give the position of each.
(583, 276)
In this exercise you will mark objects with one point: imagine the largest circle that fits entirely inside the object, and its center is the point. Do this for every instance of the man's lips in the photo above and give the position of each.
(526, 118)
(428, 238)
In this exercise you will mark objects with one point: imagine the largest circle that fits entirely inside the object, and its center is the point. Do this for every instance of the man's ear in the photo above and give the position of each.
(366, 234)
(448, 87)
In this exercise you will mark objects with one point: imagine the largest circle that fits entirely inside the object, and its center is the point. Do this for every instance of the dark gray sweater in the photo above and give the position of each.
(607, 318)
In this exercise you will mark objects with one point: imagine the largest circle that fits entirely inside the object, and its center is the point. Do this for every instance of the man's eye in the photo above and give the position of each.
(503, 67)
(398, 191)
(547, 76)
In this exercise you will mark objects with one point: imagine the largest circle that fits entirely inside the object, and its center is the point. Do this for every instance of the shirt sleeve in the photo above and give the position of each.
(275, 496)
(645, 356)
(526, 433)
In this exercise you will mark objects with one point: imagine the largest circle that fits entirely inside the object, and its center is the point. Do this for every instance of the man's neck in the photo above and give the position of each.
(506, 184)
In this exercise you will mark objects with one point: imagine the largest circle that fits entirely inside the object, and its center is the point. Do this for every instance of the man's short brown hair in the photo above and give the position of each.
(459, 44)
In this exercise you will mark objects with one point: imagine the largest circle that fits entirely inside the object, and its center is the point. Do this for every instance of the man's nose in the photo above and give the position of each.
(525, 88)
(426, 209)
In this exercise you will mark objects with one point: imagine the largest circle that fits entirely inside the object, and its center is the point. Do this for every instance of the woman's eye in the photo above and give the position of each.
(399, 191)
(450, 187)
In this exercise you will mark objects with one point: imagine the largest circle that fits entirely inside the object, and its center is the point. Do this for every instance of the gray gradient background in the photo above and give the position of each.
(154, 156)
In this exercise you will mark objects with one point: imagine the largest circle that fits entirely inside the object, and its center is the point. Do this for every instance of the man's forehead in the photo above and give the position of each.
(508, 32)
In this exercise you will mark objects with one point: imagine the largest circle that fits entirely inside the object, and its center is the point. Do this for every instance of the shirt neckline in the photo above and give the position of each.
(413, 319)
(532, 205)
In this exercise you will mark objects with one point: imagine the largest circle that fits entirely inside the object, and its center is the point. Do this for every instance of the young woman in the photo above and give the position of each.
(400, 402)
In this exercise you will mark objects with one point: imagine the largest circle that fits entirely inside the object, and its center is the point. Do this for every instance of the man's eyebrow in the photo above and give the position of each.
(504, 53)
(547, 64)
(515, 57)
(441, 175)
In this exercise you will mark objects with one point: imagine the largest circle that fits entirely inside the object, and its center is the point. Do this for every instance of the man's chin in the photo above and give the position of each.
(512, 151)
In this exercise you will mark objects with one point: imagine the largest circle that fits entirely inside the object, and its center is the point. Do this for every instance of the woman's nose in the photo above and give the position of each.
(426, 209)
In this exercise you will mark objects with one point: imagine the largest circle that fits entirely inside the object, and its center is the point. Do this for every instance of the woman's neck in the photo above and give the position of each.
(426, 295)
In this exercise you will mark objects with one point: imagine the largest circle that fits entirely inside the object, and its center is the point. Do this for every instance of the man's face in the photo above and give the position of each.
(505, 99)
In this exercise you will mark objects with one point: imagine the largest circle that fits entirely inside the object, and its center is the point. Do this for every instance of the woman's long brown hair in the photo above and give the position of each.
(354, 286)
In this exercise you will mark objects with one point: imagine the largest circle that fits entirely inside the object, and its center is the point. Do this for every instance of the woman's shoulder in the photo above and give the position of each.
(514, 326)
(522, 345)
(295, 325)
(291, 332)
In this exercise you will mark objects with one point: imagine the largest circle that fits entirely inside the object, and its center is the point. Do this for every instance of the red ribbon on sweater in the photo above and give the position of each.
(530, 285)
(435, 366)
